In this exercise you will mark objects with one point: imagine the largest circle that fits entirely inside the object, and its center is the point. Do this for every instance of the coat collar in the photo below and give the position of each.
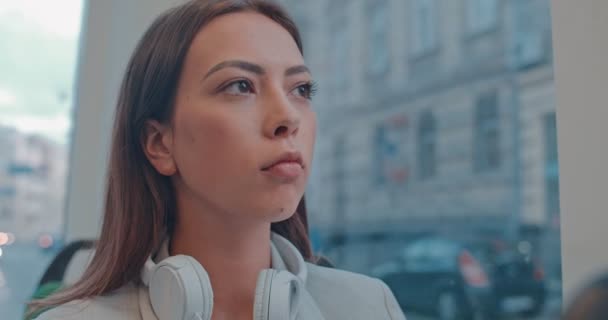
(284, 256)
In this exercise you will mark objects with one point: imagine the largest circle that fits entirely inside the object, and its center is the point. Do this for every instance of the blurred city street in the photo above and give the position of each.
(551, 312)
(436, 118)
(21, 268)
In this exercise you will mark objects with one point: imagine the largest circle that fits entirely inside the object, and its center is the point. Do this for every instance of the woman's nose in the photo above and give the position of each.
(282, 118)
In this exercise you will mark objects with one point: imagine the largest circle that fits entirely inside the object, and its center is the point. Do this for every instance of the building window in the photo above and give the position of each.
(487, 133)
(552, 198)
(551, 166)
(427, 139)
(378, 55)
(482, 15)
(340, 47)
(550, 138)
(424, 26)
(391, 165)
(529, 38)
(382, 150)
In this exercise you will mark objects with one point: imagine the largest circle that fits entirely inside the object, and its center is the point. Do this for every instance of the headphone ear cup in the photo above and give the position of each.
(179, 289)
(277, 295)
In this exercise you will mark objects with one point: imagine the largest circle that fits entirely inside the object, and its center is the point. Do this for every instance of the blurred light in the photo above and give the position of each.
(11, 238)
(524, 247)
(3, 238)
(472, 271)
(7, 98)
(45, 241)
(539, 273)
(61, 18)
(0, 252)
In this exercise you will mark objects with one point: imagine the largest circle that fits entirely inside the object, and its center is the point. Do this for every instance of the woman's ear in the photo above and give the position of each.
(157, 143)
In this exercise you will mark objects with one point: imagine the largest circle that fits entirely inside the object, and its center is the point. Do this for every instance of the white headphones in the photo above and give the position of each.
(180, 289)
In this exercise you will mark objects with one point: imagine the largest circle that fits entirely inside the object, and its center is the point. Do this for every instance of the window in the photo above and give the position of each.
(339, 53)
(482, 15)
(378, 55)
(424, 26)
(528, 38)
(550, 138)
(551, 184)
(390, 159)
(552, 195)
(35, 120)
(470, 179)
(416, 257)
(487, 154)
(383, 149)
(426, 145)
(551, 166)
(442, 254)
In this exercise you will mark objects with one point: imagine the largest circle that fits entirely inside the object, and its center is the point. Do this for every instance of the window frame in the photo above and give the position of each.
(378, 40)
(424, 35)
(487, 133)
(427, 145)
(481, 16)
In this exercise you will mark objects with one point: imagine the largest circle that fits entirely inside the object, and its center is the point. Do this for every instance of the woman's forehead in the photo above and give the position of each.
(246, 36)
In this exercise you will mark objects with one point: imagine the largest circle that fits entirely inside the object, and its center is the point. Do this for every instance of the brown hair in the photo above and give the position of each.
(591, 303)
(140, 202)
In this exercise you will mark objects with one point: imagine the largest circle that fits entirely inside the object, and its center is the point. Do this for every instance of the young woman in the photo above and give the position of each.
(211, 153)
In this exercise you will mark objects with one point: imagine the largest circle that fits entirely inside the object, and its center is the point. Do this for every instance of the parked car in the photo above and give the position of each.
(464, 280)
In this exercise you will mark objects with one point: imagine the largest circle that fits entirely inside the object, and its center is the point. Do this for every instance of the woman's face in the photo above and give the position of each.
(243, 129)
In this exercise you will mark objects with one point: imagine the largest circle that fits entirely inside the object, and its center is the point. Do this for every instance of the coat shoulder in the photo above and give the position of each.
(349, 295)
(122, 304)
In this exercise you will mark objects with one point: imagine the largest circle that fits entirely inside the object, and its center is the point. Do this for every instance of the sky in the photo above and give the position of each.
(38, 51)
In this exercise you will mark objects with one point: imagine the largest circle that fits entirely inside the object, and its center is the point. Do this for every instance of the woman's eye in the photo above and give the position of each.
(306, 90)
(239, 87)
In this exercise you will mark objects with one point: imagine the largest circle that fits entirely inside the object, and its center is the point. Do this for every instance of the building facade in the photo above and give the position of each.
(32, 185)
(433, 115)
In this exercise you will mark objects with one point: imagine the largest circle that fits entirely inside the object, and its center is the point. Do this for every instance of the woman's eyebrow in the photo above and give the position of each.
(297, 69)
(244, 65)
(254, 68)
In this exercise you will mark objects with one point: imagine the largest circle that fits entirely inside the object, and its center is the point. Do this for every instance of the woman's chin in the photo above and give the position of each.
(277, 212)
(276, 206)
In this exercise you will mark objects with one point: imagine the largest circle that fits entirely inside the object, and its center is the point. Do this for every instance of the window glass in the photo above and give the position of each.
(487, 133)
(426, 145)
(424, 25)
(459, 145)
(38, 50)
(481, 15)
(378, 55)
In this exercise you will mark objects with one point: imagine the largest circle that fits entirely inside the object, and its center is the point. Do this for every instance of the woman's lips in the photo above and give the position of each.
(286, 170)
(287, 167)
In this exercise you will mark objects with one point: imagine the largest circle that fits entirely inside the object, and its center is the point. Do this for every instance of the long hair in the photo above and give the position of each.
(140, 203)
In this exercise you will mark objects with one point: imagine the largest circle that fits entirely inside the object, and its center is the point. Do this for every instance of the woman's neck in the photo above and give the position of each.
(233, 255)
